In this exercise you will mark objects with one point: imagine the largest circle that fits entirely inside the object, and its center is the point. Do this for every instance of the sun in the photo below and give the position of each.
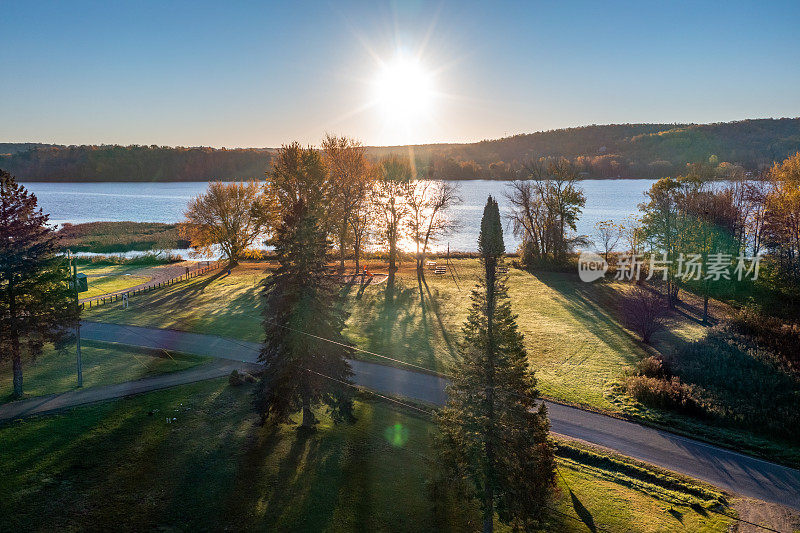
(404, 92)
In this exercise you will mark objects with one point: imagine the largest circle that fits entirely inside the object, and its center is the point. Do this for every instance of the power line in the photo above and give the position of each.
(410, 406)
(354, 348)
(388, 398)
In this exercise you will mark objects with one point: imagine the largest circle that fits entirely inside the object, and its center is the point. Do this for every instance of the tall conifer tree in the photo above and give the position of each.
(494, 436)
(37, 305)
(304, 354)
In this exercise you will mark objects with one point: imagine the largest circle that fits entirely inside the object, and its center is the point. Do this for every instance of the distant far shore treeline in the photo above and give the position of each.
(612, 151)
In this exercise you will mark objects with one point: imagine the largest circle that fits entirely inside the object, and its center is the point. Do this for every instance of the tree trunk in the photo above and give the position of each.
(488, 518)
(488, 503)
(17, 364)
(308, 416)
(357, 253)
(16, 358)
(392, 259)
(342, 239)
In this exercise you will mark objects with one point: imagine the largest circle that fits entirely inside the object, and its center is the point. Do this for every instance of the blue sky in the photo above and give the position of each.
(258, 74)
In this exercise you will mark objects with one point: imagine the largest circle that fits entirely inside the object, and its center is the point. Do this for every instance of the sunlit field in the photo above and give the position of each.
(573, 335)
(104, 279)
(97, 466)
(108, 284)
(575, 342)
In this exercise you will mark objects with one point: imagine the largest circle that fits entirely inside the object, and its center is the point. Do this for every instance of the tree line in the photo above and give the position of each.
(713, 208)
(362, 203)
(711, 212)
(135, 163)
(621, 150)
(694, 216)
(609, 151)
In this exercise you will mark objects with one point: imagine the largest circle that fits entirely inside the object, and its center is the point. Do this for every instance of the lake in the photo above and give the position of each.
(166, 201)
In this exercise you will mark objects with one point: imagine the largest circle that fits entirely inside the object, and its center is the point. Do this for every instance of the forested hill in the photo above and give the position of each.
(623, 150)
(13, 148)
(136, 163)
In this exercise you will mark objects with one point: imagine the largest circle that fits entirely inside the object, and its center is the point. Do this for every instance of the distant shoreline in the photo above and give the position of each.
(89, 180)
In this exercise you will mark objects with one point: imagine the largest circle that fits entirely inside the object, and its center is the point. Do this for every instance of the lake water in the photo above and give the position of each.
(165, 202)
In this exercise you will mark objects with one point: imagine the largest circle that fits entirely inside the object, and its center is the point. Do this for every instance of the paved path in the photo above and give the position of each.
(57, 402)
(728, 470)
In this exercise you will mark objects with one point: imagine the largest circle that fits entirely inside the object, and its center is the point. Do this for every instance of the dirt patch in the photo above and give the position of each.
(771, 515)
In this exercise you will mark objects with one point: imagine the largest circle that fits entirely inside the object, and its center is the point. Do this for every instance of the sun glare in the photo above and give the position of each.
(404, 92)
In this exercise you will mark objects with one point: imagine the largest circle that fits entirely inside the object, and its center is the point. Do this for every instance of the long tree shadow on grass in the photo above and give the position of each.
(287, 488)
(233, 312)
(394, 322)
(183, 294)
(290, 481)
(123, 463)
(582, 512)
(433, 303)
(594, 306)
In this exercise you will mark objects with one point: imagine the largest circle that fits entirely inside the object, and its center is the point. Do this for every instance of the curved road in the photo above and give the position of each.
(735, 472)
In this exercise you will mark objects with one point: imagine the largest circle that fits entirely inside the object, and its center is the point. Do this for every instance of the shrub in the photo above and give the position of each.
(774, 334)
(256, 255)
(742, 384)
(115, 237)
(235, 379)
(664, 394)
(644, 312)
(651, 367)
(725, 377)
(147, 259)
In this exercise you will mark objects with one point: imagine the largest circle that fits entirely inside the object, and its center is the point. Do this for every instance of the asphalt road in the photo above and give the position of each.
(731, 471)
(56, 402)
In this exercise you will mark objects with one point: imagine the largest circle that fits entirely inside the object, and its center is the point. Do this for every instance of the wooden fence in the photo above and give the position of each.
(192, 273)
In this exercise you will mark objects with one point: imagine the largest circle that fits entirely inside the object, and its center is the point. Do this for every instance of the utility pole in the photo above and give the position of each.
(74, 266)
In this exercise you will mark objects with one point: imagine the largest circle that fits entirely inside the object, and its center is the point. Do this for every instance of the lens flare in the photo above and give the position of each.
(397, 435)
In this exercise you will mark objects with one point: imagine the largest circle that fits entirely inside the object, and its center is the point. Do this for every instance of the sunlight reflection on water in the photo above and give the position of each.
(166, 201)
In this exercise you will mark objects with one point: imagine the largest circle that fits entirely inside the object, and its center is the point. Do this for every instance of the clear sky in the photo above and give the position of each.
(257, 74)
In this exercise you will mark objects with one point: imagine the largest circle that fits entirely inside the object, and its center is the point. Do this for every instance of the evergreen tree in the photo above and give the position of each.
(302, 315)
(36, 304)
(494, 436)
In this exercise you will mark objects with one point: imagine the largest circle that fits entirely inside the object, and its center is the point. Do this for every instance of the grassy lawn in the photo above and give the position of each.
(54, 371)
(121, 465)
(104, 279)
(576, 344)
(578, 347)
(106, 284)
(219, 304)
